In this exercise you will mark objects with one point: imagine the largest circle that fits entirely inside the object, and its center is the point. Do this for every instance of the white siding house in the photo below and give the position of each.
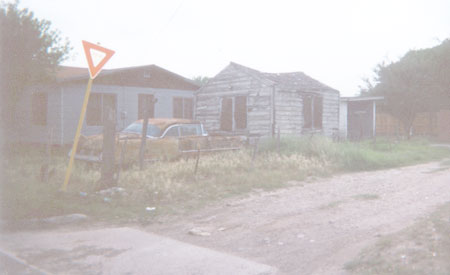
(55, 107)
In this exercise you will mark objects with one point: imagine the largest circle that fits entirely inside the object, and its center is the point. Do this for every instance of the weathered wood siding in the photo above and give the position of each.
(289, 112)
(330, 115)
(288, 104)
(343, 110)
(229, 83)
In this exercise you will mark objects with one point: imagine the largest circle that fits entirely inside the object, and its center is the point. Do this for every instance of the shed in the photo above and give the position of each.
(241, 100)
(55, 107)
(357, 117)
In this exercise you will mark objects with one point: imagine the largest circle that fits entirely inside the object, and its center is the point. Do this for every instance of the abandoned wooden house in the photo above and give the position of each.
(241, 100)
(55, 107)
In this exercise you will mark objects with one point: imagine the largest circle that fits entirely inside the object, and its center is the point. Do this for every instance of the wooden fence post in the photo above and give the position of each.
(122, 158)
(108, 155)
(143, 140)
(278, 140)
(196, 161)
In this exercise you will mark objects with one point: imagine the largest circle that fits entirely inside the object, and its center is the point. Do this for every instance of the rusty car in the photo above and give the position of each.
(166, 139)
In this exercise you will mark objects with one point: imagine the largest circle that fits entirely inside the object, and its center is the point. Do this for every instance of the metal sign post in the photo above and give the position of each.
(94, 70)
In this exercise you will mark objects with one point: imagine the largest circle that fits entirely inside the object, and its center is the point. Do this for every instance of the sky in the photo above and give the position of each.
(336, 42)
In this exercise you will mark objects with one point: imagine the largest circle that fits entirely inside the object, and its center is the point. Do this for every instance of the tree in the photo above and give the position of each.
(418, 82)
(201, 80)
(30, 52)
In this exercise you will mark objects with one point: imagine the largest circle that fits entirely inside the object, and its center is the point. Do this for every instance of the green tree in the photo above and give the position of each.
(418, 82)
(200, 80)
(30, 52)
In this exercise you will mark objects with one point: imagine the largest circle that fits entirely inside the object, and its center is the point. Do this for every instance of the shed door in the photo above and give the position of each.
(360, 120)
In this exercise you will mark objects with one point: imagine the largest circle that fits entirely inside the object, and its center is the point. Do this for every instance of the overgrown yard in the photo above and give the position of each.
(172, 187)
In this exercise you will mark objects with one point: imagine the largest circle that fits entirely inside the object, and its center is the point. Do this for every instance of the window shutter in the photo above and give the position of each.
(188, 108)
(307, 112)
(177, 107)
(226, 116)
(318, 108)
(240, 112)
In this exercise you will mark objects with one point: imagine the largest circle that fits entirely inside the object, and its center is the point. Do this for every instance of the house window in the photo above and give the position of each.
(233, 113)
(39, 104)
(146, 102)
(97, 108)
(312, 112)
(183, 107)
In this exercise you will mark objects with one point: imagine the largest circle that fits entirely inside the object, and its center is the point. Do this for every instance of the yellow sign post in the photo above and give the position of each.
(94, 70)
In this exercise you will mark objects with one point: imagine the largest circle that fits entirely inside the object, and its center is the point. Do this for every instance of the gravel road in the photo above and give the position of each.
(316, 227)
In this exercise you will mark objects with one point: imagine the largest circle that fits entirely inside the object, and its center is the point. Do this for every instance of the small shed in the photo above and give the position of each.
(357, 117)
(241, 100)
(55, 107)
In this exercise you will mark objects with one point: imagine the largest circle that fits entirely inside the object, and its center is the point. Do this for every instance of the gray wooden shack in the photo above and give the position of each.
(55, 107)
(241, 100)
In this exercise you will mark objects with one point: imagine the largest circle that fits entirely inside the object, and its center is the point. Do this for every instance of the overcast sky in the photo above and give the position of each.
(335, 42)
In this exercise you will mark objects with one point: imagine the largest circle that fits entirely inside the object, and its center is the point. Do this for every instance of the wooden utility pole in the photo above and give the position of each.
(108, 155)
(143, 138)
(278, 140)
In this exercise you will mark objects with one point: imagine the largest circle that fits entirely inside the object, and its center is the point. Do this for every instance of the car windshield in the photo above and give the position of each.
(136, 128)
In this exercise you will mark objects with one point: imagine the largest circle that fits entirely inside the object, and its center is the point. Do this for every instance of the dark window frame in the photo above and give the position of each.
(234, 113)
(183, 107)
(98, 111)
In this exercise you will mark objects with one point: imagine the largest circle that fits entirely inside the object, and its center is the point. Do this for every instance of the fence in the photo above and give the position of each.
(435, 124)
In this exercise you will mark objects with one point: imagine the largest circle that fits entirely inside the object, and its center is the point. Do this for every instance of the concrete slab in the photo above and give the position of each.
(122, 251)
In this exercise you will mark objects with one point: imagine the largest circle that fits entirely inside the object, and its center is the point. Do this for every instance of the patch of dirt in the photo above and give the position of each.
(317, 227)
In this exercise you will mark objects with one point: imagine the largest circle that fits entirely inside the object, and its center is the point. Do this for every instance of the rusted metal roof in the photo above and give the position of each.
(140, 76)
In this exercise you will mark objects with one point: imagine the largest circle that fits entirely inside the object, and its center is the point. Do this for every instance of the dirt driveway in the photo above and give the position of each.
(316, 227)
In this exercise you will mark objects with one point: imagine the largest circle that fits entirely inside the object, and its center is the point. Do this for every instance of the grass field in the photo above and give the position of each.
(172, 188)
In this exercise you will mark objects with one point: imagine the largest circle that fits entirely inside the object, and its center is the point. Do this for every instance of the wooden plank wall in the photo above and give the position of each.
(330, 117)
(289, 112)
(232, 82)
(288, 104)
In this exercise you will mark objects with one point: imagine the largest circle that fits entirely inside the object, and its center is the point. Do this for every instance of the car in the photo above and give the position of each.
(166, 139)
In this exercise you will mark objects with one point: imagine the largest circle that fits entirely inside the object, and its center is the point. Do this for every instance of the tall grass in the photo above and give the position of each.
(172, 187)
(365, 155)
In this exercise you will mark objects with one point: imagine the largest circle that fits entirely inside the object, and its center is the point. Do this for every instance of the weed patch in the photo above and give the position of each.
(171, 187)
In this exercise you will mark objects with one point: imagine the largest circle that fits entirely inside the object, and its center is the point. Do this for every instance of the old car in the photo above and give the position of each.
(166, 139)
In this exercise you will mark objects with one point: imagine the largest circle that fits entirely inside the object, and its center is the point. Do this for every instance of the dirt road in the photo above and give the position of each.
(316, 227)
